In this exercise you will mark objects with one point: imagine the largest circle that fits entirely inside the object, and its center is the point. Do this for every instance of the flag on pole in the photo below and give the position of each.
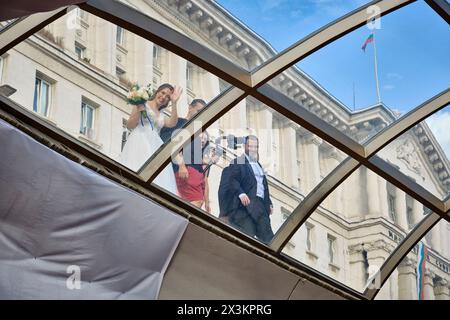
(421, 261)
(369, 40)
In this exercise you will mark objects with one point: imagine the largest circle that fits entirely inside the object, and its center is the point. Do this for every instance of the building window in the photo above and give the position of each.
(391, 206)
(156, 56)
(189, 76)
(125, 133)
(80, 51)
(309, 237)
(120, 72)
(409, 217)
(41, 101)
(87, 120)
(331, 248)
(120, 35)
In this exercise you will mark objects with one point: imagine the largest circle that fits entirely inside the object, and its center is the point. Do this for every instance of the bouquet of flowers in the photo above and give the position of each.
(138, 95)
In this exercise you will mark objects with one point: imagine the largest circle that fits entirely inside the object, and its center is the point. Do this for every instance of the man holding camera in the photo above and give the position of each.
(249, 201)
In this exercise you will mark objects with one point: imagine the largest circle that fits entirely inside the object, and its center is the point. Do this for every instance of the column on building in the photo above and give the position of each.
(441, 290)
(417, 211)
(376, 260)
(436, 237)
(357, 270)
(407, 286)
(311, 164)
(104, 42)
(235, 120)
(140, 61)
(428, 289)
(209, 88)
(332, 158)
(400, 209)
(288, 165)
(383, 197)
(264, 119)
(393, 280)
(176, 76)
(445, 241)
(353, 192)
(373, 194)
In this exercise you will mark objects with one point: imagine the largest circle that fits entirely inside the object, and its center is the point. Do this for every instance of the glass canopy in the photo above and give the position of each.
(373, 76)
(330, 212)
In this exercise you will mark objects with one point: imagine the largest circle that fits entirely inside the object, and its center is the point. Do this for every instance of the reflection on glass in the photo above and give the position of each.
(424, 274)
(422, 153)
(355, 228)
(338, 82)
(77, 72)
(239, 180)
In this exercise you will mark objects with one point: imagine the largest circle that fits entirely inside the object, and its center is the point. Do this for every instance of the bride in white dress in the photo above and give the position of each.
(144, 140)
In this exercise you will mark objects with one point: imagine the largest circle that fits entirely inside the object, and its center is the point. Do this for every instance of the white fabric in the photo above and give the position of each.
(142, 143)
(259, 176)
(56, 214)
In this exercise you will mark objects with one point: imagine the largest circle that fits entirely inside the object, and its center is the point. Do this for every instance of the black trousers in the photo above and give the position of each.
(253, 220)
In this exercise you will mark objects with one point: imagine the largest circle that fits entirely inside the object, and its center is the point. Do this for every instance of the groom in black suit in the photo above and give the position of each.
(248, 197)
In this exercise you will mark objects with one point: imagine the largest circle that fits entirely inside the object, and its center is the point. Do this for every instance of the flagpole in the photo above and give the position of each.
(376, 65)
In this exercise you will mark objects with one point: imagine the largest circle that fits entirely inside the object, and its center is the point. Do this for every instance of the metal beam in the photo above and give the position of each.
(442, 7)
(25, 27)
(321, 38)
(399, 253)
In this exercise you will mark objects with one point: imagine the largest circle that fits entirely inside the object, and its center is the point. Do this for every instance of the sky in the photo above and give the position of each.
(413, 51)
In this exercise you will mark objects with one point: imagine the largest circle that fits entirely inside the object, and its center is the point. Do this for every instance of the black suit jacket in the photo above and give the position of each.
(242, 180)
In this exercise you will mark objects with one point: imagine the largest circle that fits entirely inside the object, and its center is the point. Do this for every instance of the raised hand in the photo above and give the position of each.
(176, 94)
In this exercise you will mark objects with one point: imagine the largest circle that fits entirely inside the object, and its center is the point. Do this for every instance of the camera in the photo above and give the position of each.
(232, 141)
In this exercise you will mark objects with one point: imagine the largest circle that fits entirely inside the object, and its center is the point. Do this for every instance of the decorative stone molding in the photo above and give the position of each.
(407, 152)
(437, 159)
(312, 138)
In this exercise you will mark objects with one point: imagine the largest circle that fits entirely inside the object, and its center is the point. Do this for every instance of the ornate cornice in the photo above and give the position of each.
(434, 154)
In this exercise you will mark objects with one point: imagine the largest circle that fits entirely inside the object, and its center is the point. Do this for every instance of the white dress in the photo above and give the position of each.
(142, 143)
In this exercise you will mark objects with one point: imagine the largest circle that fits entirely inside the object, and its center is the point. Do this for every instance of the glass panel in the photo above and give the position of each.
(424, 274)
(353, 228)
(292, 19)
(422, 153)
(45, 88)
(337, 82)
(102, 75)
(37, 89)
(293, 159)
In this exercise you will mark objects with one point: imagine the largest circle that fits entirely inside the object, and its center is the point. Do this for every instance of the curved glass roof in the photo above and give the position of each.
(352, 191)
